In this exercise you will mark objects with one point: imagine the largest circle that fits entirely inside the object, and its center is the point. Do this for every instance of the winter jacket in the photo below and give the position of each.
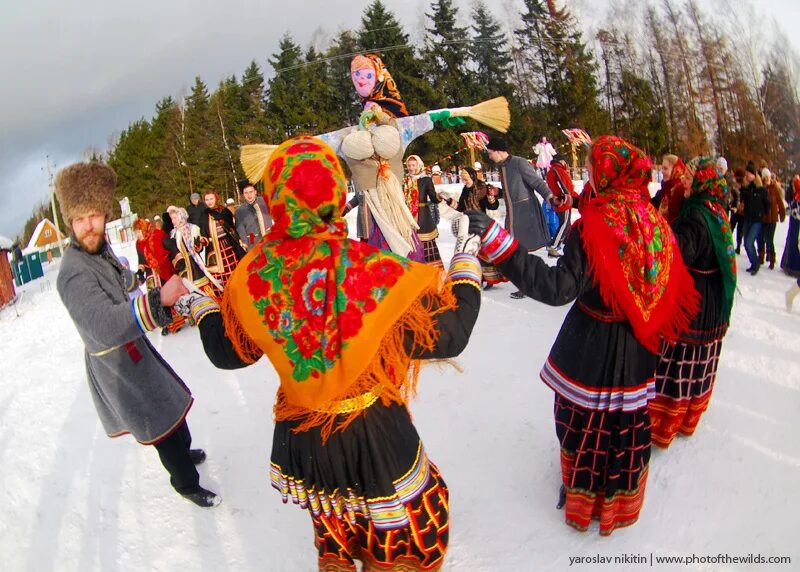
(524, 217)
(247, 221)
(776, 208)
(133, 388)
(196, 213)
(756, 202)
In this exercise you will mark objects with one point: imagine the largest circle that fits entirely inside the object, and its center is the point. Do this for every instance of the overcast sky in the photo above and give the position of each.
(75, 73)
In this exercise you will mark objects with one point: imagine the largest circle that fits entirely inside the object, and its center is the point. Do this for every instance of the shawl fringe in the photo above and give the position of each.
(392, 374)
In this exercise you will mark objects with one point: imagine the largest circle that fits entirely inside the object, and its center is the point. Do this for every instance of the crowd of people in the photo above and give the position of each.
(347, 324)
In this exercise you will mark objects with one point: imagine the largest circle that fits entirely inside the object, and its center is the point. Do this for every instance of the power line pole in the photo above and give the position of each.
(53, 205)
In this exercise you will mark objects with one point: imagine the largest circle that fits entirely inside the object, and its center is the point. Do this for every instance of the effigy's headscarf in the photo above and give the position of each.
(385, 93)
(329, 312)
(632, 253)
(709, 188)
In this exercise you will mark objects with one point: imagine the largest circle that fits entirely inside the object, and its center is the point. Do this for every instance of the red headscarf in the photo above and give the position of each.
(632, 253)
(796, 187)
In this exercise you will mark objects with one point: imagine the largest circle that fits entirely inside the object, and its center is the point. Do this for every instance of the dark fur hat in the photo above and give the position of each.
(497, 144)
(244, 183)
(85, 186)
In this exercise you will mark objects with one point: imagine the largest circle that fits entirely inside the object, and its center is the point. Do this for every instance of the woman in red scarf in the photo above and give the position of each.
(669, 198)
(623, 266)
(155, 264)
(687, 368)
(345, 326)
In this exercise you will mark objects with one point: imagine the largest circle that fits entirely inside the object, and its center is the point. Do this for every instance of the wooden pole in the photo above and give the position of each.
(574, 160)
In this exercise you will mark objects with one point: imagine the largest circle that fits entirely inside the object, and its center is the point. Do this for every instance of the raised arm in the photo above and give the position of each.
(454, 326)
(532, 179)
(553, 285)
(103, 323)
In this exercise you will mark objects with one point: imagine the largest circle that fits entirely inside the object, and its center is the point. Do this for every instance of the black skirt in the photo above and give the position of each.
(371, 468)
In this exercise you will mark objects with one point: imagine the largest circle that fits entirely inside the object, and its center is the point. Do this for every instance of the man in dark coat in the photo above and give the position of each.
(133, 388)
(756, 203)
(196, 209)
(524, 217)
(252, 217)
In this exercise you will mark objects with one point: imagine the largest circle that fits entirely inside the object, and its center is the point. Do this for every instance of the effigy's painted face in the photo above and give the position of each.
(364, 79)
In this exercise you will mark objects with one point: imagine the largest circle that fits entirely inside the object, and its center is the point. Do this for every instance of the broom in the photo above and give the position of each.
(493, 113)
(254, 160)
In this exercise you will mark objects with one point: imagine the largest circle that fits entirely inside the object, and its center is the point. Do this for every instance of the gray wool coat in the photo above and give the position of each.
(133, 388)
(247, 222)
(524, 217)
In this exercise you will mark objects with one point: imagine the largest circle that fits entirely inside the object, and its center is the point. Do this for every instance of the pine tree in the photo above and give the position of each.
(490, 55)
(445, 54)
(344, 96)
(284, 102)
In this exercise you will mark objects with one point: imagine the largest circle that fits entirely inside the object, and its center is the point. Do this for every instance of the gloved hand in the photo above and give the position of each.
(465, 242)
(184, 304)
(479, 222)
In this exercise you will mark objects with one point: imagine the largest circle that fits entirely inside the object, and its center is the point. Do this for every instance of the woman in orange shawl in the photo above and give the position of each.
(345, 325)
(622, 266)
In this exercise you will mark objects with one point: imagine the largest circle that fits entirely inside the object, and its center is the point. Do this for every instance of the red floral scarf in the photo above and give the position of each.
(319, 305)
(632, 253)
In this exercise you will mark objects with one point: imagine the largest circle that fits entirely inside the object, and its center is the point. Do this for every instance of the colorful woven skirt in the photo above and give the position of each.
(227, 260)
(684, 381)
(431, 253)
(604, 463)
(421, 545)
(370, 489)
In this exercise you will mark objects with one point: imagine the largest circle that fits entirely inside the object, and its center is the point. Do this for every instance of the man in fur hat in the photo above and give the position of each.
(133, 388)
(252, 217)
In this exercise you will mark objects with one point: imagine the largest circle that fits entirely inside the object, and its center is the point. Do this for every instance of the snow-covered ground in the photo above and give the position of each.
(75, 500)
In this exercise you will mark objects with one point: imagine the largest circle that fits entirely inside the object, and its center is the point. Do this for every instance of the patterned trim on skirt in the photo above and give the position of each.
(684, 381)
(604, 464)
(420, 545)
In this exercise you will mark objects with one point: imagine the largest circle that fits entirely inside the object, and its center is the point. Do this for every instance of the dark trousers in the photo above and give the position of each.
(174, 454)
(766, 240)
(737, 224)
(752, 232)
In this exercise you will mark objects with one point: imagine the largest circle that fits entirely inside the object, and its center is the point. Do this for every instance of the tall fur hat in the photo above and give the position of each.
(85, 186)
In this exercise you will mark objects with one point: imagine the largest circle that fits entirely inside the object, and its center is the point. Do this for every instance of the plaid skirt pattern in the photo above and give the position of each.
(420, 545)
(684, 381)
(227, 258)
(430, 251)
(604, 463)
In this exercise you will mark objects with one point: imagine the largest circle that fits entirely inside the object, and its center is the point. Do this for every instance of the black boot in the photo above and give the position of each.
(754, 271)
(164, 331)
(203, 498)
(488, 286)
(197, 456)
(562, 498)
(517, 295)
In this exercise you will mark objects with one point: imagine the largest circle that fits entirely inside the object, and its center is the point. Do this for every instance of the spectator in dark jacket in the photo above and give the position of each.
(252, 217)
(195, 209)
(756, 202)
